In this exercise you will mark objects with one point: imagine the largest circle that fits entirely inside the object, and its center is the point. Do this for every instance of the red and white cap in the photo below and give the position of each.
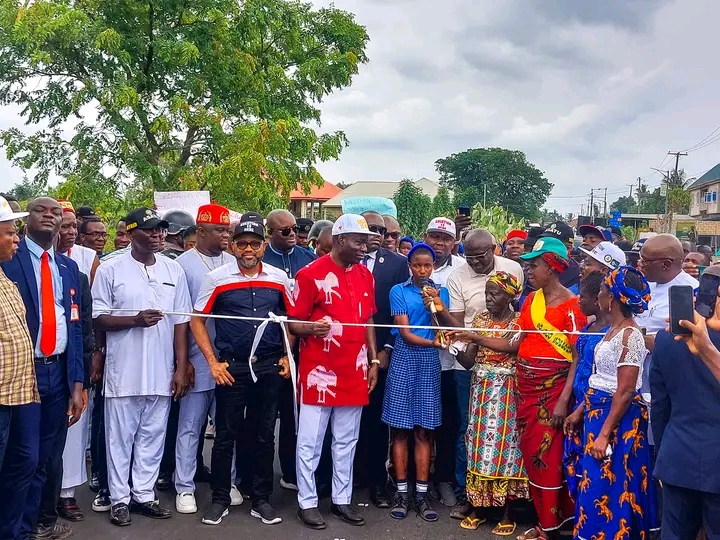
(6, 212)
(351, 224)
(442, 225)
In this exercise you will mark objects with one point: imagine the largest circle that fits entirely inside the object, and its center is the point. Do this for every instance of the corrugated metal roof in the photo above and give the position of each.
(713, 175)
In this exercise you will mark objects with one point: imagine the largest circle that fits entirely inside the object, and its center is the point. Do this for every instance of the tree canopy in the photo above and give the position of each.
(495, 177)
(139, 95)
(413, 208)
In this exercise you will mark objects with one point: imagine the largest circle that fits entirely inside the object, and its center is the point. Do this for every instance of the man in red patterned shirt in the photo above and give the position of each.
(339, 364)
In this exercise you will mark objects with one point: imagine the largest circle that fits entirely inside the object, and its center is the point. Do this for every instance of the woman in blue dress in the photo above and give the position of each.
(411, 406)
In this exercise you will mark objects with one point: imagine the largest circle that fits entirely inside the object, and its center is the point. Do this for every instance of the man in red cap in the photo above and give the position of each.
(515, 245)
(209, 253)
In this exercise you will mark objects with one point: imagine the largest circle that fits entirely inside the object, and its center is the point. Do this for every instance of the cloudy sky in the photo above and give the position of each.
(595, 93)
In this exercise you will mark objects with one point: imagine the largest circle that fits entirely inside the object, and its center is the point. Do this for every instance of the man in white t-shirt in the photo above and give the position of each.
(146, 362)
(466, 286)
(440, 235)
(213, 237)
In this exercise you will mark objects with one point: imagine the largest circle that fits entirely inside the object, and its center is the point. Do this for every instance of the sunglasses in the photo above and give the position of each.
(394, 235)
(377, 229)
(286, 231)
(254, 244)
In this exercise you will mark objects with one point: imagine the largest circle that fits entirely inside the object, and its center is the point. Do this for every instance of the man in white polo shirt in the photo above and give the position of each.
(147, 361)
(605, 257)
(466, 286)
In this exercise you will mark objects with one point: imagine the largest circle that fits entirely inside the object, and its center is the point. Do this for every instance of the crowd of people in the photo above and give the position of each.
(493, 377)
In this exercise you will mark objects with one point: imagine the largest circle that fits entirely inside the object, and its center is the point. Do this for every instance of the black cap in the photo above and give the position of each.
(144, 218)
(85, 212)
(252, 216)
(249, 227)
(304, 224)
(533, 234)
(560, 230)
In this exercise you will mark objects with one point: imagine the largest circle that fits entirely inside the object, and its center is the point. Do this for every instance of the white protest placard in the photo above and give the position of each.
(189, 201)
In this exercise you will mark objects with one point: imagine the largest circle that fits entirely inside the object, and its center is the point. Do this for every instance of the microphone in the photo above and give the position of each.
(425, 284)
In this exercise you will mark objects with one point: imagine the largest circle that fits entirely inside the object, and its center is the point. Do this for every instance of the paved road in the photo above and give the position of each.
(240, 526)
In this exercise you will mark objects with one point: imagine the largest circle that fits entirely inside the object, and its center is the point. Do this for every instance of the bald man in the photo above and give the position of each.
(392, 233)
(323, 244)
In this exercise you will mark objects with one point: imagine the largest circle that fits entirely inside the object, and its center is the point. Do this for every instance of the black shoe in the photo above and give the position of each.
(59, 531)
(401, 506)
(347, 513)
(102, 501)
(378, 496)
(215, 515)
(311, 518)
(164, 482)
(262, 510)
(150, 509)
(67, 508)
(120, 515)
(94, 483)
(462, 508)
(202, 475)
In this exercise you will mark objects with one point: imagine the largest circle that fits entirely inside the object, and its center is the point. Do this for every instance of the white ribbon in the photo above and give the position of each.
(282, 321)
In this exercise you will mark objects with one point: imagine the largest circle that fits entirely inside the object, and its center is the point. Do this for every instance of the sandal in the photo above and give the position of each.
(533, 534)
(400, 507)
(424, 509)
(471, 523)
(504, 529)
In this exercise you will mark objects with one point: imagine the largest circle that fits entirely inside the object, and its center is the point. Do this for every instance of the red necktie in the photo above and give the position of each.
(48, 335)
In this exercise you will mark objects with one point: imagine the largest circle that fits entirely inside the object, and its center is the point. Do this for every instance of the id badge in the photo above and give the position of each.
(74, 313)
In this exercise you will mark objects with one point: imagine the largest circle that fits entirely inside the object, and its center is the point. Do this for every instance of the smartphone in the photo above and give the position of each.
(463, 210)
(707, 295)
(681, 308)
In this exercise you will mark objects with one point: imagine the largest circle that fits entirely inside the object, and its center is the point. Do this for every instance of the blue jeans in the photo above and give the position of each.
(462, 386)
(54, 396)
(20, 461)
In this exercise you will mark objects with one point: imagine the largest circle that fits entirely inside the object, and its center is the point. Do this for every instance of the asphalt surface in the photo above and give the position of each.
(240, 526)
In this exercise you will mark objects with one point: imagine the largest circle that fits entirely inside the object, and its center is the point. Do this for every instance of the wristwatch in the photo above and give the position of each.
(375, 361)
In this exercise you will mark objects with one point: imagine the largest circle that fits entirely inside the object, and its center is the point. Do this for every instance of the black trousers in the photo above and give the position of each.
(48, 515)
(446, 434)
(687, 511)
(287, 438)
(261, 398)
(372, 450)
(97, 439)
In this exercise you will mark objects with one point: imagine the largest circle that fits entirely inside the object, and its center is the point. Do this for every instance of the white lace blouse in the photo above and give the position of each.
(607, 360)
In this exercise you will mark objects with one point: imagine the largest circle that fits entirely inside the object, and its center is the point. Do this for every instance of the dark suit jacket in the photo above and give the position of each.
(87, 326)
(389, 270)
(685, 416)
(20, 270)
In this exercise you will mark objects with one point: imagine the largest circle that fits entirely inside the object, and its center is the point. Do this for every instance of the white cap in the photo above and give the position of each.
(351, 223)
(7, 214)
(608, 254)
(442, 225)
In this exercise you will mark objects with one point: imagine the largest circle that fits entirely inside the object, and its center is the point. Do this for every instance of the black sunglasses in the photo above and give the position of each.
(394, 235)
(254, 244)
(377, 229)
(286, 230)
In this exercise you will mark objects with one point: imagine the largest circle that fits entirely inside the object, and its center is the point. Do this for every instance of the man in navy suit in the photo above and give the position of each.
(685, 413)
(388, 269)
(41, 273)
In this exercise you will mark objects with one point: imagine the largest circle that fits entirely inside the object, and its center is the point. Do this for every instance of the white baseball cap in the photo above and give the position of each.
(7, 214)
(352, 224)
(442, 225)
(608, 254)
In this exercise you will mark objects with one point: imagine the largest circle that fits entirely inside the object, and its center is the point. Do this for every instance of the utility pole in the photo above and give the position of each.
(592, 207)
(631, 186)
(677, 160)
(638, 193)
(605, 214)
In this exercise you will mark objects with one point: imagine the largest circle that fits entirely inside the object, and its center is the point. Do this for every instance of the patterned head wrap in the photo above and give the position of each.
(507, 282)
(555, 262)
(636, 300)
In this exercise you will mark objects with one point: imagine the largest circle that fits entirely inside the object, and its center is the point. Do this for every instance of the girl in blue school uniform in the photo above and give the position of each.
(411, 406)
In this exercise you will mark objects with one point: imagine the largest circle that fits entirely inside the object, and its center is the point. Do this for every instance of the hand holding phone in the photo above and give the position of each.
(707, 295)
(463, 211)
(681, 308)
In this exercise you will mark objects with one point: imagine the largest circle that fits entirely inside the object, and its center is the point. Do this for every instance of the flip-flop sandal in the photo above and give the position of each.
(504, 529)
(538, 534)
(472, 524)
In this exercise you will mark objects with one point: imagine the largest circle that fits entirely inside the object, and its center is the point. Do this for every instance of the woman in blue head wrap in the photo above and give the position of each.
(615, 494)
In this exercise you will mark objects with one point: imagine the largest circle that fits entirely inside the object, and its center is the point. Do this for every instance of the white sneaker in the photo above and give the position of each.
(288, 485)
(210, 431)
(185, 503)
(236, 498)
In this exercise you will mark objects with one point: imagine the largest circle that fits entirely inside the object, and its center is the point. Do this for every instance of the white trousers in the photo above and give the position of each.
(135, 430)
(74, 462)
(194, 410)
(345, 428)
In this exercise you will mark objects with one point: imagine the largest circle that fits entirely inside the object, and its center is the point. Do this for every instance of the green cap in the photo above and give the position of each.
(547, 245)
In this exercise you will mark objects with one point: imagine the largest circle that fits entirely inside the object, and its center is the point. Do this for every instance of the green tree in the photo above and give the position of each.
(495, 176)
(143, 95)
(413, 208)
(626, 205)
(550, 216)
(442, 206)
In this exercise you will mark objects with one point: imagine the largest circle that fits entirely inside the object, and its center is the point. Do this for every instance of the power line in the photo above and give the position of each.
(697, 146)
